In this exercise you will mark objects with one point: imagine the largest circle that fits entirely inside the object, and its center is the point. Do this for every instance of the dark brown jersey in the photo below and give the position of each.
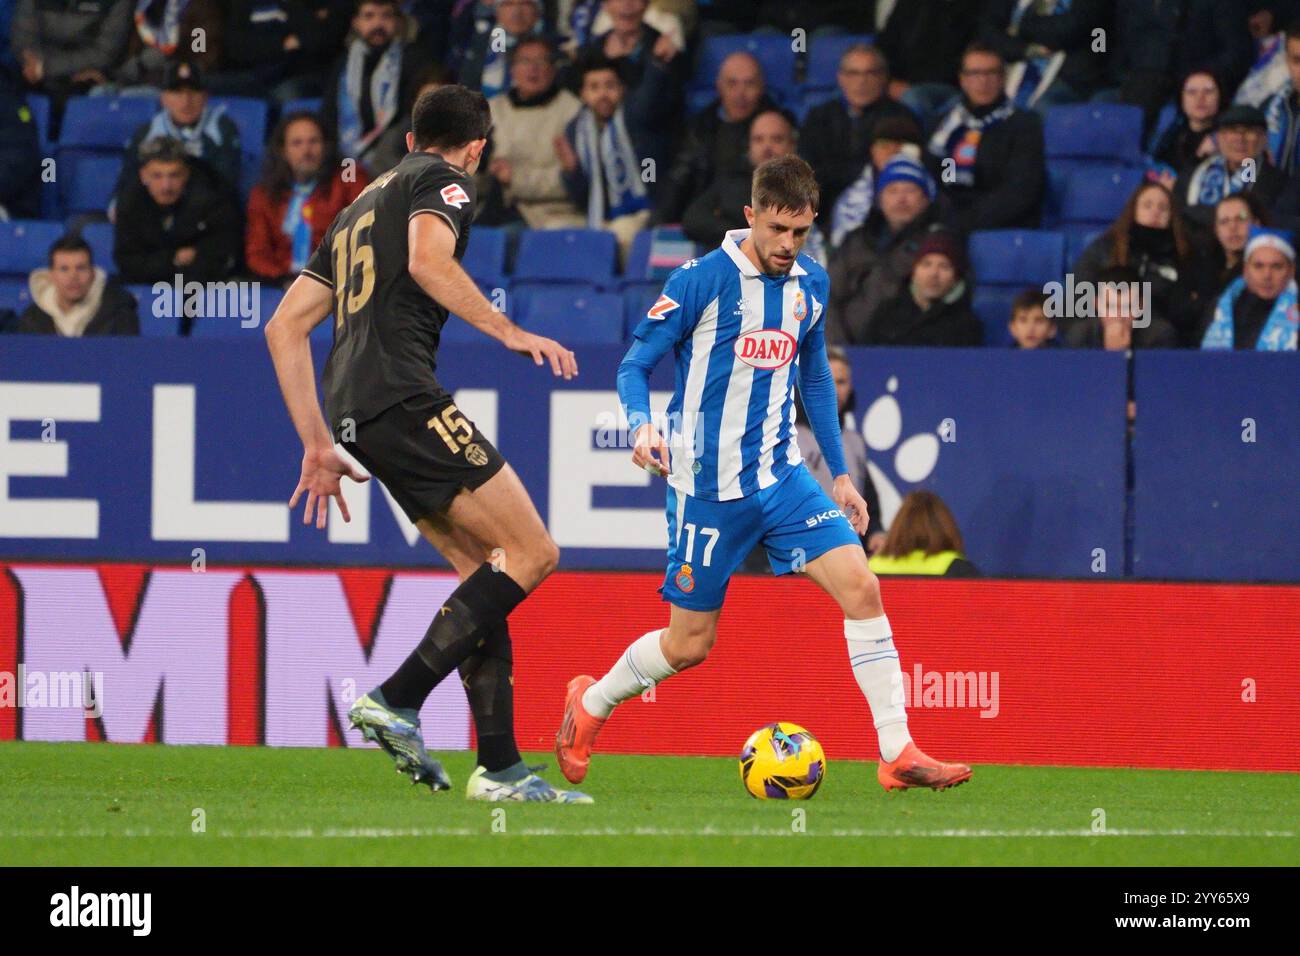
(386, 329)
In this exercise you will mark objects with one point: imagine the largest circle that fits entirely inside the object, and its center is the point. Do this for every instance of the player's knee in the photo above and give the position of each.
(862, 598)
(688, 648)
(547, 557)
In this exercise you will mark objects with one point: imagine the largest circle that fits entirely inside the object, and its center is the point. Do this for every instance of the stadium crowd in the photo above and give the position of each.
(970, 152)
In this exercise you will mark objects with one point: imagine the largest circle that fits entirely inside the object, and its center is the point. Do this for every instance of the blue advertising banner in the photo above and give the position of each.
(150, 449)
(1216, 459)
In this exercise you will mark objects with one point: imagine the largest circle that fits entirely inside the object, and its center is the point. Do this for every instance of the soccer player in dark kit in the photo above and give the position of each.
(389, 269)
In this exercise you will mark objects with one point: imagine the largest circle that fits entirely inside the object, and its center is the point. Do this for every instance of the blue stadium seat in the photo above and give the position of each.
(566, 255)
(105, 122)
(1077, 238)
(772, 50)
(87, 179)
(25, 245)
(459, 332)
(310, 104)
(151, 325)
(1097, 194)
(39, 105)
(15, 294)
(485, 256)
(637, 267)
(585, 319)
(1016, 257)
(100, 237)
(250, 116)
(824, 57)
(992, 305)
(519, 299)
(1110, 131)
(669, 248)
(637, 299)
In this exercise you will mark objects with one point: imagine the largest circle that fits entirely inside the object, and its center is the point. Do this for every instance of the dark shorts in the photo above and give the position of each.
(425, 451)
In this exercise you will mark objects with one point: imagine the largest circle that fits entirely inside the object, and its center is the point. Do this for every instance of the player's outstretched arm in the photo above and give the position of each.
(433, 266)
(649, 450)
(306, 305)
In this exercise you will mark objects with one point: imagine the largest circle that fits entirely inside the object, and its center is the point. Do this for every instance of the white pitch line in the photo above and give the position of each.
(308, 833)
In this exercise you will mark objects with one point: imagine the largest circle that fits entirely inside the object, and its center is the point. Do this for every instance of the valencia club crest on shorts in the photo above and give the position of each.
(685, 583)
(454, 195)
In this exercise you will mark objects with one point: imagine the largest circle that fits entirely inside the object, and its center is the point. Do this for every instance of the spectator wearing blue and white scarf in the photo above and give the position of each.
(1283, 111)
(482, 61)
(889, 137)
(206, 132)
(1259, 310)
(1241, 165)
(1049, 47)
(603, 155)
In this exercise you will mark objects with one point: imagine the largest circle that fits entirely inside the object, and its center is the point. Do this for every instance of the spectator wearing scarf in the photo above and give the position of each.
(164, 30)
(1259, 311)
(1048, 46)
(986, 154)
(303, 187)
(1241, 165)
(1283, 112)
(373, 83)
(603, 152)
(1184, 142)
(206, 132)
(483, 62)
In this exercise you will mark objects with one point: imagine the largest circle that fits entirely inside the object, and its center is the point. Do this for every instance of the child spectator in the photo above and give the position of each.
(1031, 327)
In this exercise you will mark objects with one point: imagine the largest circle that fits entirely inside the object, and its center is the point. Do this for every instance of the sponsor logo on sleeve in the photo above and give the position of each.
(663, 305)
(454, 195)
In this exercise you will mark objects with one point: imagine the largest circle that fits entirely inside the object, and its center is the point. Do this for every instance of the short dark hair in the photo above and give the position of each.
(785, 183)
(163, 149)
(597, 62)
(1029, 299)
(983, 49)
(71, 242)
(395, 4)
(449, 117)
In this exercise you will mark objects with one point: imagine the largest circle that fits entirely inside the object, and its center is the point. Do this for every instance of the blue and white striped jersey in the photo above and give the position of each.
(740, 339)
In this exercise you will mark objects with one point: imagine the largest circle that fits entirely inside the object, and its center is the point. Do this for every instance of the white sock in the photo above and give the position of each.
(641, 667)
(876, 668)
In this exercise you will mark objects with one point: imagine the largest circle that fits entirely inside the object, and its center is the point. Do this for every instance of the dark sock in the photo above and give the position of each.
(485, 598)
(486, 675)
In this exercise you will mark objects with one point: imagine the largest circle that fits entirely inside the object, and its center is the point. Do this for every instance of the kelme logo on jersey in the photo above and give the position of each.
(766, 348)
(454, 195)
(663, 305)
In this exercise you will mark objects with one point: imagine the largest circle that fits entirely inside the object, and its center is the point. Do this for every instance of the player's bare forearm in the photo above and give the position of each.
(447, 283)
(305, 305)
(431, 262)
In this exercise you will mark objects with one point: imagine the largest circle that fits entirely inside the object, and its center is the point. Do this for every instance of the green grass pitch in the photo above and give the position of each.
(105, 804)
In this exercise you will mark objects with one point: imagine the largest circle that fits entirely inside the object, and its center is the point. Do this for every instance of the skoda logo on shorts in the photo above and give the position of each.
(475, 455)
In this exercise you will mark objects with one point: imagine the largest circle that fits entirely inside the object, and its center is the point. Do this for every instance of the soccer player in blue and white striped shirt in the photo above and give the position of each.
(745, 324)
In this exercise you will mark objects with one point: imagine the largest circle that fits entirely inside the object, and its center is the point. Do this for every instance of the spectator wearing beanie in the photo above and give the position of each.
(1241, 165)
(875, 262)
(188, 116)
(836, 136)
(935, 307)
(889, 137)
(987, 154)
(303, 187)
(1259, 311)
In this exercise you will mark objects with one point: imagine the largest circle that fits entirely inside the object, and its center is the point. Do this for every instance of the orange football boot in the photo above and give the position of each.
(578, 731)
(915, 769)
